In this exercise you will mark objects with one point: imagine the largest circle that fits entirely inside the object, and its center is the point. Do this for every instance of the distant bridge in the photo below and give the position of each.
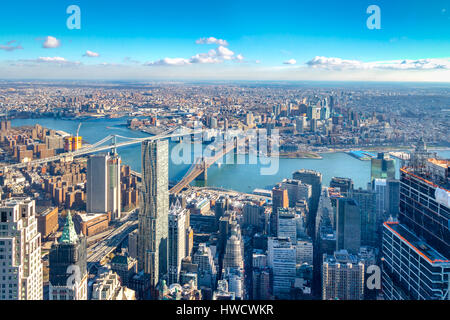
(199, 167)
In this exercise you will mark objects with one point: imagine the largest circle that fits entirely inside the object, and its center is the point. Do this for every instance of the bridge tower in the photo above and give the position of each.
(204, 175)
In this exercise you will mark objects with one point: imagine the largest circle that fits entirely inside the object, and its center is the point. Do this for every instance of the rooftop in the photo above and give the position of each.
(427, 178)
(420, 246)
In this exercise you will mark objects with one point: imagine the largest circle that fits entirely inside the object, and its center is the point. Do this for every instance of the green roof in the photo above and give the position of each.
(69, 235)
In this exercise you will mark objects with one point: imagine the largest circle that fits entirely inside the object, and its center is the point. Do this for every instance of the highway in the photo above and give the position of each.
(100, 249)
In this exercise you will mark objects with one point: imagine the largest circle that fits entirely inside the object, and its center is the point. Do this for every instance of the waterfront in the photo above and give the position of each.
(239, 177)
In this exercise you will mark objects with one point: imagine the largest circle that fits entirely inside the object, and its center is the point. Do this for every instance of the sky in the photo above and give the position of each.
(321, 40)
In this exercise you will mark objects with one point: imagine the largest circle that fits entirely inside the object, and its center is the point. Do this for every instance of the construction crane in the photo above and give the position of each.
(78, 130)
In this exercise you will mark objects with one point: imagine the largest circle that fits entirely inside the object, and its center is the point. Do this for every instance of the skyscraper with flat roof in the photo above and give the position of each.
(345, 185)
(342, 277)
(382, 167)
(348, 223)
(287, 224)
(280, 199)
(103, 184)
(370, 226)
(281, 259)
(154, 210)
(297, 190)
(177, 240)
(416, 248)
(392, 203)
(313, 178)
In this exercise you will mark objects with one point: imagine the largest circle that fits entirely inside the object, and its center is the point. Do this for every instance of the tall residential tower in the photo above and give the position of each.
(154, 211)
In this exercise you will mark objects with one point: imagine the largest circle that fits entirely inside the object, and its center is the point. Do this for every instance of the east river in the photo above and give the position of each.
(240, 177)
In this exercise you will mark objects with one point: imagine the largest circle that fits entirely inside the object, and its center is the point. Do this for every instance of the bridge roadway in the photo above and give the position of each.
(99, 147)
(201, 164)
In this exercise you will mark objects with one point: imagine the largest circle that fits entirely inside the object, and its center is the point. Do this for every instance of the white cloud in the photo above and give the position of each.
(421, 64)
(9, 47)
(331, 63)
(290, 61)
(239, 58)
(51, 60)
(169, 62)
(212, 40)
(224, 53)
(51, 42)
(212, 56)
(91, 54)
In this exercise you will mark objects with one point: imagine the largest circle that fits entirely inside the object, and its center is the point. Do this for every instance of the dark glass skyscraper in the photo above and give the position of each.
(370, 228)
(314, 179)
(348, 226)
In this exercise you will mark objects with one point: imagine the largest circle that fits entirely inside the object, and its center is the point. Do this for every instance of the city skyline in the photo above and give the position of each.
(244, 41)
(251, 150)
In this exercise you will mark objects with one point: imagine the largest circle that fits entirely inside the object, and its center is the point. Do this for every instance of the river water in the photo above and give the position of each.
(240, 177)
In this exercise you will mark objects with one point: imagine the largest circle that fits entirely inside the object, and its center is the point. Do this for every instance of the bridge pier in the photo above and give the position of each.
(203, 176)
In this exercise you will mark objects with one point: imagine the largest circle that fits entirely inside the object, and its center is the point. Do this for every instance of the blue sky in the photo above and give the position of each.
(286, 40)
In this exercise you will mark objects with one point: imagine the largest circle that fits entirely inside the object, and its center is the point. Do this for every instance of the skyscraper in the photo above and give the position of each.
(177, 240)
(287, 224)
(313, 178)
(154, 211)
(416, 261)
(20, 248)
(233, 257)
(392, 197)
(254, 215)
(67, 263)
(282, 260)
(342, 277)
(348, 223)
(379, 187)
(207, 273)
(370, 227)
(280, 199)
(103, 184)
(382, 167)
(345, 185)
(300, 124)
(296, 191)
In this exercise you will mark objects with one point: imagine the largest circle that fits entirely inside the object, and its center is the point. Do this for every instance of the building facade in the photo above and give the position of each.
(177, 241)
(154, 210)
(103, 192)
(20, 251)
(67, 265)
